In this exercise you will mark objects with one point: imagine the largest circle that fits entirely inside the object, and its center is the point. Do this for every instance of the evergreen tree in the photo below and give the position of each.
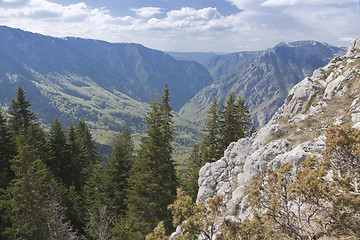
(210, 147)
(99, 217)
(87, 151)
(118, 169)
(20, 115)
(73, 178)
(59, 163)
(229, 124)
(36, 139)
(153, 177)
(27, 199)
(7, 151)
(235, 121)
(192, 173)
(82, 153)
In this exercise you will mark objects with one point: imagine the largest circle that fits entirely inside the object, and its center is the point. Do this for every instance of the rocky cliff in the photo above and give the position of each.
(330, 96)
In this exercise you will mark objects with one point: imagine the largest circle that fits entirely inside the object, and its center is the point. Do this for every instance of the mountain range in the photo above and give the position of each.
(262, 78)
(110, 84)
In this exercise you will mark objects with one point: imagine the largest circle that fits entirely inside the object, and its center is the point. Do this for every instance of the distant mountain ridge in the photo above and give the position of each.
(129, 68)
(263, 79)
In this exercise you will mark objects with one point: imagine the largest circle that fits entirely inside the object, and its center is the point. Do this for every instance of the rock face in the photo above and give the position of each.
(331, 95)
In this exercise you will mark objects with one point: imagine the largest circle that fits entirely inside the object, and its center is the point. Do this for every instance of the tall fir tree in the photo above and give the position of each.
(73, 177)
(229, 124)
(118, 169)
(193, 166)
(153, 178)
(59, 163)
(210, 147)
(27, 199)
(7, 151)
(234, 121)
(20, 115)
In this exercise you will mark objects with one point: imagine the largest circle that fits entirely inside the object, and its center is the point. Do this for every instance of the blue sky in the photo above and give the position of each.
(189, 25)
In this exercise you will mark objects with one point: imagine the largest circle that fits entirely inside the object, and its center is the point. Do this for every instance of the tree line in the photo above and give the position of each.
(54, 186)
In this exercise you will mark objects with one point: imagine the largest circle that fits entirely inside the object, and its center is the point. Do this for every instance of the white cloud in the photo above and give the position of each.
(259, 24)
(279, 2)
(146, 12)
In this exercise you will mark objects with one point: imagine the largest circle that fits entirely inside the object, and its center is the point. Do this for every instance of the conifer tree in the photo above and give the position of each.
(20, 115)
(210, 146)
(59, 163)
(192, 173)
(229, 124)
(153, 177)
(118, 169)
(82, 154)
(99, 217)
(36, 139)
(7, 151)
(73, 177)
(27, 199)
(235, 121)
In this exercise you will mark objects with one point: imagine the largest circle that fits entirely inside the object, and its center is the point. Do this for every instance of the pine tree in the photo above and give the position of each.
(27, 199)
(192, 173)
(229, 124)
(118, 169)
(73, 177)
(83, 154)
(36, 139)
(20, 115)
(153, 177)
(99, 217)
(235, 121)
(210, 147)
(59, 163)
(7, 151)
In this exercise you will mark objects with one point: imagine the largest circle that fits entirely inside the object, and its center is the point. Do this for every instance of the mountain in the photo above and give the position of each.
(330, 96)
(262, 79)
(199, 57)
(223, 64)
(107, 84)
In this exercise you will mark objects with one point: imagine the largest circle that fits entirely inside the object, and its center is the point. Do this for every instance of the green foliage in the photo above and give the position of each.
(26, 198)
(59, 163)
(7, 151)
(343, 153)
(191, 175)
(210, 146)
(254, 229)
(309, 204)
(20, 115)
(235, 121)
(117, 171)
(100, 217)
(195, 220)
(153, 178)
(224, 126)
(158, 234)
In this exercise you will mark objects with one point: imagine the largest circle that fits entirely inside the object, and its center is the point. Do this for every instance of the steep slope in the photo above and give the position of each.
(330, 96)
(104, 83)
(264, 81)
(129, 68)
(227, 63)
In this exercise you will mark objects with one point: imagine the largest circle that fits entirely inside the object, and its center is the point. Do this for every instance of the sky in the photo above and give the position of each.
(219, 26)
